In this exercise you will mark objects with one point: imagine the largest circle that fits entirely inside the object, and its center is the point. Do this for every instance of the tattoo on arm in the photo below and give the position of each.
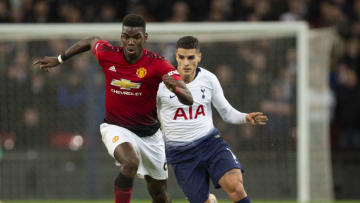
(183, 93)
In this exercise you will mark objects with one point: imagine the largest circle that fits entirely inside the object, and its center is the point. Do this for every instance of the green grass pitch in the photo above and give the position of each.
(148, 201)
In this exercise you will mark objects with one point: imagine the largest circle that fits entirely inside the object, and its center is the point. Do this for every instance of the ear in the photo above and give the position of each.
(146, 36)
(199, 55)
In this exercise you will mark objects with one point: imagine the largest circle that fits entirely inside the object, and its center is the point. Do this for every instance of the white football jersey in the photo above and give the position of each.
(182, 124)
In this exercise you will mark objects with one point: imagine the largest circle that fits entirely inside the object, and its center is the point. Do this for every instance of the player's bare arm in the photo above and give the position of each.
(179, 88)
(256, 118)
(79, 47)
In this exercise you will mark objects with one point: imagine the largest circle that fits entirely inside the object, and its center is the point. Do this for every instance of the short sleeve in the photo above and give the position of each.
(99, 48)
(167, 68)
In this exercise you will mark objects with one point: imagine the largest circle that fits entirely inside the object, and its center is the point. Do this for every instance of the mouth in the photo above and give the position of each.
(187, 69)
(131, 50)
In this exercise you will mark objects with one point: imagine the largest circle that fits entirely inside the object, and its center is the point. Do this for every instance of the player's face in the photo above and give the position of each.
(187, 61)
(133, 40)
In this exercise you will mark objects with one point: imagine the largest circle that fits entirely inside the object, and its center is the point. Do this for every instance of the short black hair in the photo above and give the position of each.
(134, 20)
(188, 42)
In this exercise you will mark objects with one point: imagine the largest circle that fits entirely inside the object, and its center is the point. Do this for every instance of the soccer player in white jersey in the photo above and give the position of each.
(194, 146)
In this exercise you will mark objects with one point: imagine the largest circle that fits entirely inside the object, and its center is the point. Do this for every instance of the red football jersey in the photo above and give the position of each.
(130, 95)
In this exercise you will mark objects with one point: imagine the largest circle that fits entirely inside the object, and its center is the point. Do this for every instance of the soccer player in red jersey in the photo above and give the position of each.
(130, 130)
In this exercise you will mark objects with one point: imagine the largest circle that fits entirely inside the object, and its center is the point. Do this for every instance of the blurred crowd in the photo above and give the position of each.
(60, 100)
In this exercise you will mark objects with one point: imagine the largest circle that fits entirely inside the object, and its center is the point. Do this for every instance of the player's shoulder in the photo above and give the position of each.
(206, 75)
(106, 46)
(153, 56)
(162, 89)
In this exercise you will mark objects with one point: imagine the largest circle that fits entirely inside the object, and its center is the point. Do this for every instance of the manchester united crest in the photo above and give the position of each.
(141, 72)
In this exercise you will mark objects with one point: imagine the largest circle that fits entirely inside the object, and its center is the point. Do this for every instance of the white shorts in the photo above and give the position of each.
(150, 149)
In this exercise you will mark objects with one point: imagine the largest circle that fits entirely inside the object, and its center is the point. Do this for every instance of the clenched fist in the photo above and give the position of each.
(169, 82)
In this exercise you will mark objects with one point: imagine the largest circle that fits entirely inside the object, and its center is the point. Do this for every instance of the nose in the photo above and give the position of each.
(131, 41)
(186, 62)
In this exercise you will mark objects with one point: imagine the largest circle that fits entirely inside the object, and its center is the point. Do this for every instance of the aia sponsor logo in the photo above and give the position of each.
(190, 113)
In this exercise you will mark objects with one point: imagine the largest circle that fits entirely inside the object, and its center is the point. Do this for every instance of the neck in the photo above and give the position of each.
(130, 60)
(188, 78)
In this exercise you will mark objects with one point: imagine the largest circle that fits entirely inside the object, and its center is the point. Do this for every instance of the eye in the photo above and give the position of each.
(181, 57)
(191, 57)
(124, 36)
(138, 36)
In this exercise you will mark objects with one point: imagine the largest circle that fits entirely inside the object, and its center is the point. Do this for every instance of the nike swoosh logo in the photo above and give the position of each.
(172, 96)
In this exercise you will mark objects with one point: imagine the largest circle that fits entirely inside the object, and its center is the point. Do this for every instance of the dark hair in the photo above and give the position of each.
(188, 42)
(134, 20)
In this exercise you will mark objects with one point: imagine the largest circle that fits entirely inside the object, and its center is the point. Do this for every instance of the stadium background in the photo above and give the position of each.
(48, 122)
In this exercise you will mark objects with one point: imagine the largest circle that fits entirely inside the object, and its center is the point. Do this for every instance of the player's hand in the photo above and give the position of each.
(256, 118)
(47, 62)
(169, 82)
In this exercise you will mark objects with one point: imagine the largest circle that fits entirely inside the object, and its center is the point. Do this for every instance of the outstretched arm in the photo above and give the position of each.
(179, 88)
(79, 47)
(228, 113)
(231, 115)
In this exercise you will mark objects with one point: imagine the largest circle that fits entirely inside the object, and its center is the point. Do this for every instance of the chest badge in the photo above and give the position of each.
(141, 72)
(203, 93)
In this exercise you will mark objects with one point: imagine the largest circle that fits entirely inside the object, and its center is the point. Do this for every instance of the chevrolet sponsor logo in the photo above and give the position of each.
(125, 84)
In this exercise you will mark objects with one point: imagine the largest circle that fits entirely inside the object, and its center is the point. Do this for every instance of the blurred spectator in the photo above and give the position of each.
(242, 9)
(17, 16)
(296, 11)
(4, 12)
(180, 12)
(330, 15)
(351, 57)
(160, 10)
(220, 10)
(355, 13)
(4, 48)
(16, 82)
(30, 134)
(261, 11)
(142, 10)
(69, 14)
(107, 14)
(40, 13)
(227, 79)
(280, 111)
(347, 114)
(71, 99)
(43, 98)
(254, 90)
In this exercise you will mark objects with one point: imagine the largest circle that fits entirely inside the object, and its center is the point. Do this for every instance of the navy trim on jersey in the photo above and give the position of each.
(197, 72)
